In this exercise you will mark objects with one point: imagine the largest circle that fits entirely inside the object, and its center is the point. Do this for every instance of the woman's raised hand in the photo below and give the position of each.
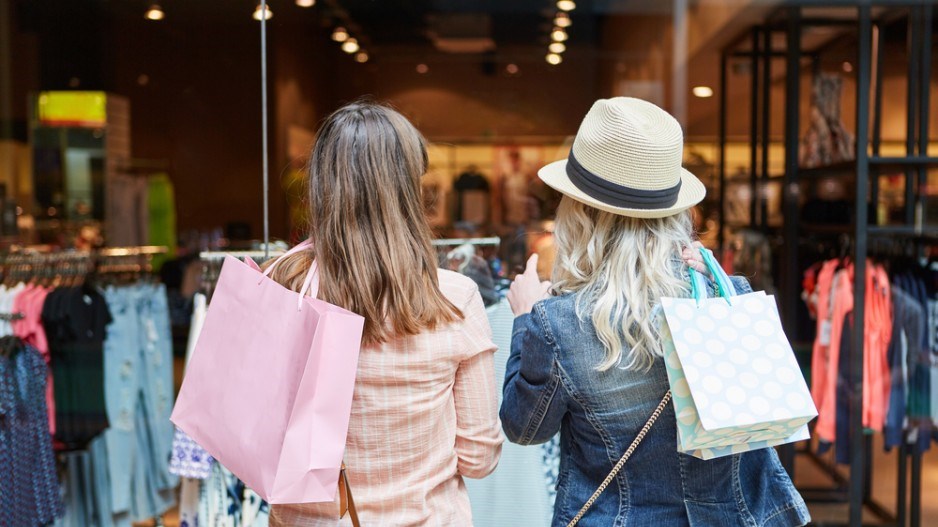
(527, 289)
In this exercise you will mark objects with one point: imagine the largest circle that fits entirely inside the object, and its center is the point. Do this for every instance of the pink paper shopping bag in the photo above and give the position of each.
(268, 390)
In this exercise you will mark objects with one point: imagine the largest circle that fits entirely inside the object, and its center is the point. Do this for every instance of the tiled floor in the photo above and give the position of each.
(808, 474)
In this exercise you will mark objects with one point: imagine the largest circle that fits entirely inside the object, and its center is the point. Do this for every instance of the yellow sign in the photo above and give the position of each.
(73, 108)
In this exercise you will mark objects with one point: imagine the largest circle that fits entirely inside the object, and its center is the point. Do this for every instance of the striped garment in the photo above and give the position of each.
(424, 416)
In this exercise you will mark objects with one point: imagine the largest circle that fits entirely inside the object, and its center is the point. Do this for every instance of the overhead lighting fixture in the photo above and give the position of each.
(847, 67)
(553, 59)
(511, 69)
(361, 57)
(339, 34)
(558, 35)
(562, 20)
(350, 46)
(305, 3)
(557, 47)
(422, 68)
(260, 12)
(703, 91)
(155, 12)
(566, 5)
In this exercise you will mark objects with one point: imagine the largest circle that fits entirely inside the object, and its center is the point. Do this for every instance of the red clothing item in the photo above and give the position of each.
(828, 354)
(877, 330)
(29, 302)
(822, 308)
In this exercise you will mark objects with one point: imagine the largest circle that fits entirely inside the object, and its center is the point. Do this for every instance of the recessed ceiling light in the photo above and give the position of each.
(361, 57)
(306, 3)
(553, 59)
(703, 91)
(557, 47)
(155, 12)
(566, 5)
(339, 34)
(562, 20)
(350, 46)
(422, 68)
(511, 69)
(847, 67)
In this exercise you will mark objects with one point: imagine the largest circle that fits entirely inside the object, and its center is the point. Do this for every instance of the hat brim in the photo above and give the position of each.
(692, 192)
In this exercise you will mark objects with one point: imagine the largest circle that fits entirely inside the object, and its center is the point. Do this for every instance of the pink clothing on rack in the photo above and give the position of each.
(841, 303)
(424, 416)
(29, 303)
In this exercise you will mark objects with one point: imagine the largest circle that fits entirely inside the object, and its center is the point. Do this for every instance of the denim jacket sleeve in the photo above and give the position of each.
(534, 402)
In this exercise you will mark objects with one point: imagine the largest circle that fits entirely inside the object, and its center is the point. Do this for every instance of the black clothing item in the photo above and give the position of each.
(76, 320)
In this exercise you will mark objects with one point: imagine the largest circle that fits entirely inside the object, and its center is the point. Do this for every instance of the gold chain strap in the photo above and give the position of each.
(625, 457)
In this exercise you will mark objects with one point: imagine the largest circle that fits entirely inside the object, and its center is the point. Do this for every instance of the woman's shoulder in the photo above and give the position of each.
(456, 287)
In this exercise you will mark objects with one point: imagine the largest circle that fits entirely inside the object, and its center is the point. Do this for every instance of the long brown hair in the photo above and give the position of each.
(370, 236)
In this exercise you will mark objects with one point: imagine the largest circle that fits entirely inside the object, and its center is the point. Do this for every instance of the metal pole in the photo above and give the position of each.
(855, 375)
(766, 96)
(792, 98)
(902, 501)
(754, 129)
(912, 46)
(721, 236)
(923, 93)
(915, 514)
(266, 167)
(878, 49)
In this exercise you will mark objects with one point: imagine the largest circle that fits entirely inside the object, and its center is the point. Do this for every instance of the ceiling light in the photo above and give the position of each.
(847, 67)
(422, 68)
(562, 20)
(553, 59)
(339, 34)
(361, 57)
(703, 91)
(557, 47)
(259, 11)
(511, 69)
(305, 3)
(558, 35)
(155, 13)
(350, 46)
(566, 5)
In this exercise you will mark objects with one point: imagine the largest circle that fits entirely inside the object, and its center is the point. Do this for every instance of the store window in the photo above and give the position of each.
(132, 145)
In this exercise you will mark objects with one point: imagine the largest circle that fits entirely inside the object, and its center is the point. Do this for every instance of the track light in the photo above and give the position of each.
(339, 34)
(558, 35)
(562, 20)
(305, 3)
(259, 12)
(557, 47)
(361, 57)
(350, 46)
(553, 59)
(566, 5)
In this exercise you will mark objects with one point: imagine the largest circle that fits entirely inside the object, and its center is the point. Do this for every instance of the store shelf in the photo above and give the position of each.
(882, 165)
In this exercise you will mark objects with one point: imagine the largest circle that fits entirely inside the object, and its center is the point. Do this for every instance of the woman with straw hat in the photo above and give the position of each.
(587, 361)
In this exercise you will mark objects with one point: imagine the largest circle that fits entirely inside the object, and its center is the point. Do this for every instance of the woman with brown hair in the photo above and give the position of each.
(424, 414)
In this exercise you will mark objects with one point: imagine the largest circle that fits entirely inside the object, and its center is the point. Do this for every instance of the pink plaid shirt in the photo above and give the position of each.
(424, 416)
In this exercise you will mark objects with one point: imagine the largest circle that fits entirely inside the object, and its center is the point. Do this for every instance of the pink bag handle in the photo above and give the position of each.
(303, 245)
(311, 283)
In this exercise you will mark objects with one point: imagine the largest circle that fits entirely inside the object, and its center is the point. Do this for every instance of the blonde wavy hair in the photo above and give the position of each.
(370, 235)
(619, 267)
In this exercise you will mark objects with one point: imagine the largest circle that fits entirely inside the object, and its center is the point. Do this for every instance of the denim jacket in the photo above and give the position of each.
(552, 384)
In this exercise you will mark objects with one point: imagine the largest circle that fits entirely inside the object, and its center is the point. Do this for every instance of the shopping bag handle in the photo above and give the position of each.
(311, 283)
(725, 287)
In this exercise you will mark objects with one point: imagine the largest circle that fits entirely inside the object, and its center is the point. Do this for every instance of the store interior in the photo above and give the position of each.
(136, 136)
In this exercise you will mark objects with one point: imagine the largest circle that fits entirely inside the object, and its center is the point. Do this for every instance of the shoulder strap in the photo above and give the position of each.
(625, 457)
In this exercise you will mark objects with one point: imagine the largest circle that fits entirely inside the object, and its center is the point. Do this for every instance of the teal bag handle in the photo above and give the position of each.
(698, 283)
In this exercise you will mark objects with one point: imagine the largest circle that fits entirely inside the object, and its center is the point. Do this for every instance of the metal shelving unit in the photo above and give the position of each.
(867, 30)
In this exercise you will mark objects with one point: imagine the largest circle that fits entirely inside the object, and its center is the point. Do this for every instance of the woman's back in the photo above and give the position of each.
(599, 413)
(415, 398)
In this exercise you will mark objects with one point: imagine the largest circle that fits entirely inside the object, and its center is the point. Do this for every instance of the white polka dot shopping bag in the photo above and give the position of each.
(735, 383)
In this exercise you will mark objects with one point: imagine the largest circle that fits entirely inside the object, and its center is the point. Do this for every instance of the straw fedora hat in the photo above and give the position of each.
(626, 159)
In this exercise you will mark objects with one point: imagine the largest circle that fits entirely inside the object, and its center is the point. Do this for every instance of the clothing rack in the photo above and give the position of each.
(866, 171)
(453, 242)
